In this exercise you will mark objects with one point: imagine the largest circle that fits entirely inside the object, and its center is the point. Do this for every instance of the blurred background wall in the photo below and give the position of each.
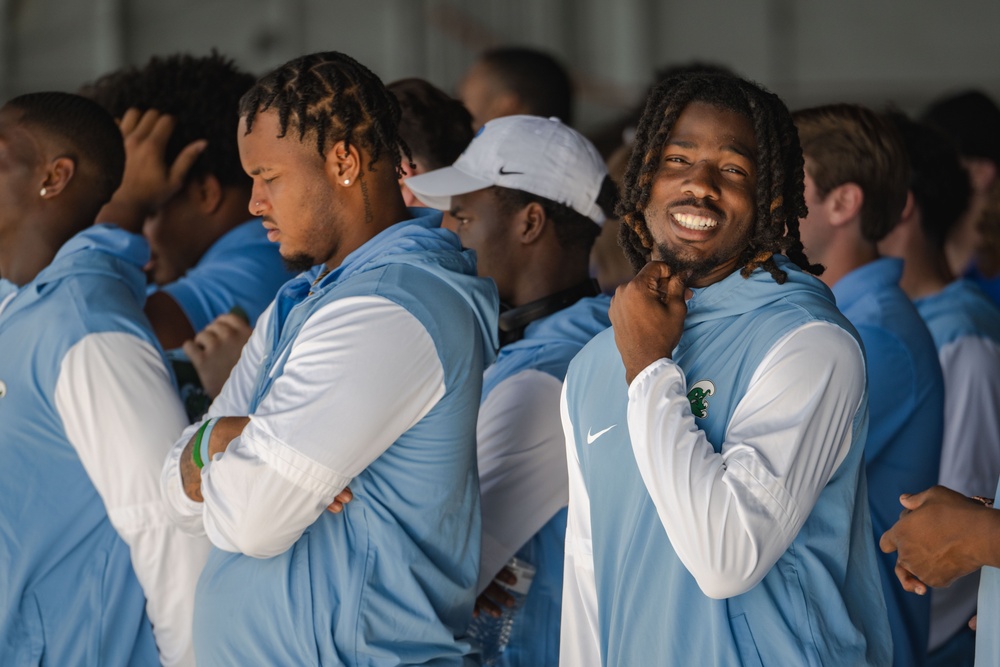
(807, 51)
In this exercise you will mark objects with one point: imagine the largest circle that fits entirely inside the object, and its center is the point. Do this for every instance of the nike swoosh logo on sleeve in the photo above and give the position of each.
(591, 437)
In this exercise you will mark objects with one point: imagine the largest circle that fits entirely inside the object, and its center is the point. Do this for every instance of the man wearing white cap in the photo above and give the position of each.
(528, 195)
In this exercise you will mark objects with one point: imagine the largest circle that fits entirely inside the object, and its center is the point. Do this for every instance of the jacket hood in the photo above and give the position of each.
(130, 253)
(730, 297)
(421, 242)
(574, 325)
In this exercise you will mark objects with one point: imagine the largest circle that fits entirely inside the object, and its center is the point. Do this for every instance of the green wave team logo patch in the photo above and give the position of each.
(698, 396)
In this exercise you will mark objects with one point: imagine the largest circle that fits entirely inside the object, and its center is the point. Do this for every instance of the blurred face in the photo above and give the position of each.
(21, 177)
(178, 236)
(815, 228)
(702, 203)
(483, 226)
(291, 193)
(479, 94)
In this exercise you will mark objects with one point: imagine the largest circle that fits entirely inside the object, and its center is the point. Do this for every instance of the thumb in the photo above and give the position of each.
(912, 501)
(185, 160)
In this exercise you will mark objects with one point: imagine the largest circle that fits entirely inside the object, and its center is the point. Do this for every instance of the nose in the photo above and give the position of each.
(702, 181)
(256, 204)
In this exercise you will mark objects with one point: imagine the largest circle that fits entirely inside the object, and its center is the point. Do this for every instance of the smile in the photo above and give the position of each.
(689, 221)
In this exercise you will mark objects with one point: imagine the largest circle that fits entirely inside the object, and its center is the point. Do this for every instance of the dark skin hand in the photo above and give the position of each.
(225, 431)
(941, 535)
(647, 315)
(215, 350)
(495, 596)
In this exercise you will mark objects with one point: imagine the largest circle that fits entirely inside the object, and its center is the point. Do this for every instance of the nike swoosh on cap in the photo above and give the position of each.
(591, 437)
(510, 173)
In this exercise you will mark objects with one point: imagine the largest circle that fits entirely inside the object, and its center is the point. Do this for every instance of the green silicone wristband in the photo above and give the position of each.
(196, 450)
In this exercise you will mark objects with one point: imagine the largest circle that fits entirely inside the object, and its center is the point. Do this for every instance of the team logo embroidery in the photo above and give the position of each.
(698, 396)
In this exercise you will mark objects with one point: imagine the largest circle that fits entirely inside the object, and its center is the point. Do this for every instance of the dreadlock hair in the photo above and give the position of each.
(331, 97)
(91, 138)
(201, 93)
(436, 127)
(573, 230)
(938, 181)
(848, 143)
(780, 200)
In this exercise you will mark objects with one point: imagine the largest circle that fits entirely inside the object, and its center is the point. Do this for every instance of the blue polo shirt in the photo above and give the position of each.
(906, 402)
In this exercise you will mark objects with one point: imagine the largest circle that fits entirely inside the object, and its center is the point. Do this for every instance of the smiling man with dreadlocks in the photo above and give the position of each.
(718, 508)
(365, 370)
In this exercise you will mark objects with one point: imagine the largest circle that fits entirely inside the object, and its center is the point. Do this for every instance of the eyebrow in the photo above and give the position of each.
(731, 147)
(455, 210)
(258, 171)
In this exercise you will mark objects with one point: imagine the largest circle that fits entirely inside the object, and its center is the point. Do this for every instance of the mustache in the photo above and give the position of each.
(694, 202)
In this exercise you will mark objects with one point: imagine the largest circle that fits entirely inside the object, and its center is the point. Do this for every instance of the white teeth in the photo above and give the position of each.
(694, 221)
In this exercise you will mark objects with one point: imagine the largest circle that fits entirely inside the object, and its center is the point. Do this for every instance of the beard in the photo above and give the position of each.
(695, 268)
(299, 262)
(685, 261)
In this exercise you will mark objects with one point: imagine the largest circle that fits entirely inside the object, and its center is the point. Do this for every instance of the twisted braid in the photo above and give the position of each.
(334, 97)
(780, 199)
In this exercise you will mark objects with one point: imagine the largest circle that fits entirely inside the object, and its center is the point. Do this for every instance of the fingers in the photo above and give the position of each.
(505, 576)
(887, 543)
(344, 497)
(972, 622)
(909, 581)
(912, 501)
(195, 352)
(222, 330)
(129, 121)
(484, 605)
(147, 124)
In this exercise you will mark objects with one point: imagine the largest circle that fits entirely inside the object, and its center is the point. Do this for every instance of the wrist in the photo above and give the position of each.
(128, 214)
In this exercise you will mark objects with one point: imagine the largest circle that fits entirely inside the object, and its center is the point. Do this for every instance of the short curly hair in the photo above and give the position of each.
(202, 93)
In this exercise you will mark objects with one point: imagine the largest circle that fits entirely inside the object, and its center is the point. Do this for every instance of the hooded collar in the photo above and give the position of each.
(735, 295)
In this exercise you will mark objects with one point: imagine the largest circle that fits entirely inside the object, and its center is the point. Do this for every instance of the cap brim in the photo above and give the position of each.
(436, 188)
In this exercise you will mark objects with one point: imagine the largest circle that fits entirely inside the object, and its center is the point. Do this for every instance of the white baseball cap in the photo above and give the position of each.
(530, 153)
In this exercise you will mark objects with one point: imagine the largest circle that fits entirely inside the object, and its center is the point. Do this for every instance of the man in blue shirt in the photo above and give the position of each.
(715, 435)
(207, 257)
(528, 196)
(856, 174)
(965, 326)
(366, 370)
(94, 570)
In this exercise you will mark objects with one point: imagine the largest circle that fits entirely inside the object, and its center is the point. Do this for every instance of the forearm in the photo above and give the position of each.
(226, 429)
(129, 215)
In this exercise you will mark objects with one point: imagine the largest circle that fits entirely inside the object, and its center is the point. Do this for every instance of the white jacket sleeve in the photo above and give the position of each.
(730, 516)
(121, 414)
(522, 465)
(580, 633)
(361, 372)
(232, 401)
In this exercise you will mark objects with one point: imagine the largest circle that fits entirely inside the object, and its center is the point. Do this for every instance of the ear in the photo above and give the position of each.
(58, 174)
(342, 164)
(506, 103)
(532, 223)
(910, 210)
(982, 173)
(207, 193)
(844, 203)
